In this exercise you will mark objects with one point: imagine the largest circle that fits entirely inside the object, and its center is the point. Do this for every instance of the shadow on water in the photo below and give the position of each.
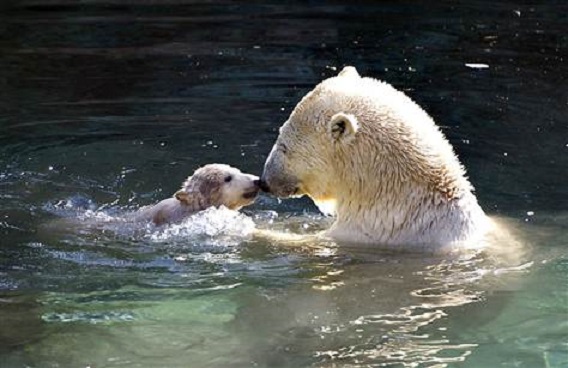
(108, 105)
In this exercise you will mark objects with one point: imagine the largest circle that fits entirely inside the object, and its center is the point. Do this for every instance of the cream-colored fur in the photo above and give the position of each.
(213, 185)
(368, 154)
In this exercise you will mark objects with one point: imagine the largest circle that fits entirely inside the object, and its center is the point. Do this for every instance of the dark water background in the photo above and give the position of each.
(109, 104)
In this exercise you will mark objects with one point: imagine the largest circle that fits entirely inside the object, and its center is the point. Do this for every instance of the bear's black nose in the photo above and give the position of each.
(262, 185)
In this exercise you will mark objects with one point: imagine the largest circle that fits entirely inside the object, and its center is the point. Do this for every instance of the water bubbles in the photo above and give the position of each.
(70, 206)
(97, 215)
(266, 216)
(228, 227)
(124, 171)
(529, 215)
(89, 317)
(210, 143)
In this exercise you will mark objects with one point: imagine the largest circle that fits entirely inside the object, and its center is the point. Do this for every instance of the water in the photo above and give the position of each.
(106, 106)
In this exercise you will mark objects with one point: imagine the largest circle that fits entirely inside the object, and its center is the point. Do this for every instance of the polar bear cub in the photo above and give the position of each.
(212, 185)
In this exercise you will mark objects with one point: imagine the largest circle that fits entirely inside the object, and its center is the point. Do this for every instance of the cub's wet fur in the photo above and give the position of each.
(212, 185)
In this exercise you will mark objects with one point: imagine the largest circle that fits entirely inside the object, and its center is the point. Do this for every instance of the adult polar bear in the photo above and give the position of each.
(370, 155)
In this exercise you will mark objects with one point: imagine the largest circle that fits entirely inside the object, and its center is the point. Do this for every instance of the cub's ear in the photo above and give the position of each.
(182, 196)
(343, 127)
(349, 71)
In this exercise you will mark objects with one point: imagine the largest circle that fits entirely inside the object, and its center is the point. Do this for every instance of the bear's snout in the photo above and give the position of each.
(263, 185)
(282, 187)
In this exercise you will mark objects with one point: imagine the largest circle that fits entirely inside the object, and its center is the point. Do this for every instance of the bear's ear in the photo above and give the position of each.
(182, 196)
(343, 127)
(349, 71)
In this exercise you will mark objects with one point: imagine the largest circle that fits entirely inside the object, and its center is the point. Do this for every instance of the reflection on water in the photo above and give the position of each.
(256, 304)
(343, 308)
(106, 106)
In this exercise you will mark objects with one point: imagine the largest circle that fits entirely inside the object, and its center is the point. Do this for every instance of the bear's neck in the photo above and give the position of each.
(399, 214)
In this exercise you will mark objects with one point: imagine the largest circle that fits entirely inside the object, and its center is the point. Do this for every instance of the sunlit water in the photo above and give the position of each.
(107, 106)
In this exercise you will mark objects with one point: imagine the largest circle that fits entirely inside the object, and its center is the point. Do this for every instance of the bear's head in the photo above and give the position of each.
(359, 137)
(318, 136)
(218, 185)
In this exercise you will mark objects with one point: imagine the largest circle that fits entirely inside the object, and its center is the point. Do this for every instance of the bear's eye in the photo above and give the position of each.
(228, 178)
(283, 148)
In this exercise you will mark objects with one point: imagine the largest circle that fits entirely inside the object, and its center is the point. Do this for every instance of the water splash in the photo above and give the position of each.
(219, 223)
(81, 215)
(89, 317)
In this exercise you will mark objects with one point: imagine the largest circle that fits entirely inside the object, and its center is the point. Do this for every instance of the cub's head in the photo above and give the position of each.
(216, 185)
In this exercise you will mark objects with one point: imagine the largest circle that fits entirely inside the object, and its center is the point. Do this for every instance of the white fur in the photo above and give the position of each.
(205, 188)
(395, 180)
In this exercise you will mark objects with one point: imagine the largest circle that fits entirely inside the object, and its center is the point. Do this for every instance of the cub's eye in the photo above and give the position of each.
(228, 178)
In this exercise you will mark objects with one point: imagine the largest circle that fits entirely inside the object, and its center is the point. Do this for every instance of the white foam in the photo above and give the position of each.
(211, 223)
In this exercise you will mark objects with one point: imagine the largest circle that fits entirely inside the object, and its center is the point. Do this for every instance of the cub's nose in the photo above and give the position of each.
(262, 185)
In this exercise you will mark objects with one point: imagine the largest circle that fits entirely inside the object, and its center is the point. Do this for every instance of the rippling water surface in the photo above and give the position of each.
(106, 106)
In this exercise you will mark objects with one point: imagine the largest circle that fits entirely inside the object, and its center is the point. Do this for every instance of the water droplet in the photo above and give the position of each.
(476, 66)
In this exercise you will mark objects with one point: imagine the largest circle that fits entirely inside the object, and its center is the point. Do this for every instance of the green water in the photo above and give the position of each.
(106, 106)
